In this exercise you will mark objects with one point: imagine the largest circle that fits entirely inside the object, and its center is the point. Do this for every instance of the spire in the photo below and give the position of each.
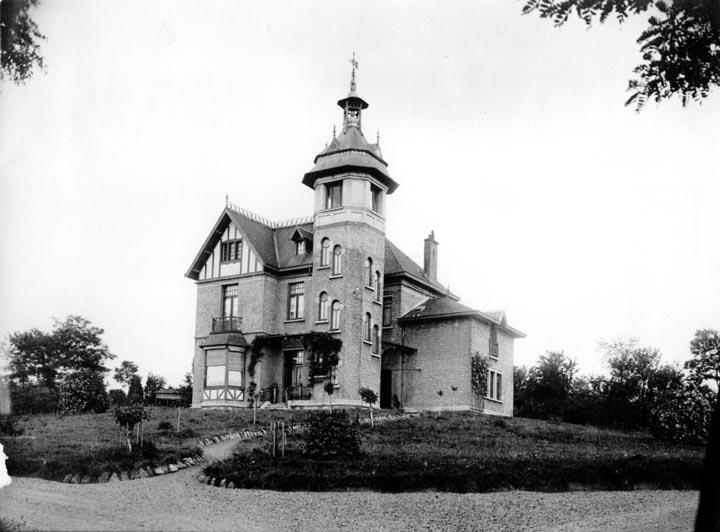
(355, 66)
(352, 105)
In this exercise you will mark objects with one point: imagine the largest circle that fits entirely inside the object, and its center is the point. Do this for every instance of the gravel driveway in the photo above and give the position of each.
(179, 502)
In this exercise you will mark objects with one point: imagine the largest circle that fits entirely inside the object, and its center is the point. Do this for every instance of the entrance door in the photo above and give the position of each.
(385, 388)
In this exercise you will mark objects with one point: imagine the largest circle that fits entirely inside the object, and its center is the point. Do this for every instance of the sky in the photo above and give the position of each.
(509, 138)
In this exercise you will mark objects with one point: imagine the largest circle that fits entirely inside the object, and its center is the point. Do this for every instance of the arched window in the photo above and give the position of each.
(377, 286)
(368, 327)
(325, 252)
(335, 315)
(337, 260)
(323, 307)
(369, 271)
(375, 339)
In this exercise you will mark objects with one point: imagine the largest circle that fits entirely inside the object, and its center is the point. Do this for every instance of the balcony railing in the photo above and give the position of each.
(226, 324)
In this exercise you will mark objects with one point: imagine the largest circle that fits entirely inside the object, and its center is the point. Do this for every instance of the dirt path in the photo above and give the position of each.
(179, 502)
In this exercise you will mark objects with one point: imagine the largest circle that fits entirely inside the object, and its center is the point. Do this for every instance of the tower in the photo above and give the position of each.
(351, 183)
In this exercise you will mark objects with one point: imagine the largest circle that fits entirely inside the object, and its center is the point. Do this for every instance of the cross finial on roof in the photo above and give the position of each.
(378, 137)
(355, 66)
(227, 200)
(334, 133)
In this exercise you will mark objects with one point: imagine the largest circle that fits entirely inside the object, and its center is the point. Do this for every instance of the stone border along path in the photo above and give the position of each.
(248, 434)
(184, 463)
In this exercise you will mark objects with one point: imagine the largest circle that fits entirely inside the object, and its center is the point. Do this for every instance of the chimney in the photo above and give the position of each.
(430, 266)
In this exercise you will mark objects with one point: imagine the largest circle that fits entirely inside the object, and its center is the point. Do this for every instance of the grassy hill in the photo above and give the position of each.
(454, 452)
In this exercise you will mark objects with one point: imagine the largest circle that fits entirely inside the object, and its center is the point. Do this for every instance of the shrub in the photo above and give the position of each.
(9, 426)
(332, 436)
(684, 417)
(117, 397)
(83, 391)
(33, 399)
(165, 426)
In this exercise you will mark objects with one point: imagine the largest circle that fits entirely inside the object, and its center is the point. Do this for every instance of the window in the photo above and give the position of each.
(325, 252)
(387, 312)
(375, 339)
(296, 301)
(367, 327)
(215, 376)
(375, 192)
(323, 307)
(231, 251)
(230, 301)
(235, 378)
(377, 286)
(334, 195)
(493, 347)
(494, 385)
(369, 275)
(300, 247)
(333, 375)
(337, 261)
(335, 315)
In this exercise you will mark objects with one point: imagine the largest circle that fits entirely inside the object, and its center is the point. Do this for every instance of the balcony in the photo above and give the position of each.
(226, 324)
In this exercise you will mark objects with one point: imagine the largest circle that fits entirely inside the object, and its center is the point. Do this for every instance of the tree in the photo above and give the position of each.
(329, 388)
(153, 384)
(73, 345)
(129, 416)
(683, 416)
(520, 377)
(19, 40)
(631, 370)
(135, 393)
(549, 384)
(705, 348)
(369, 397)
(83, 391)
(117, 397)
(185, 389)
(125, 372)
(680, 47)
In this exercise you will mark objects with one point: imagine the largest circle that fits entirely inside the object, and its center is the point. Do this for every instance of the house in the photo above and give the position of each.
(404, 335)
(167, 397)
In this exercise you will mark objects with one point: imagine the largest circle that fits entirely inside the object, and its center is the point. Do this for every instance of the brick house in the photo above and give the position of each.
(404, 335)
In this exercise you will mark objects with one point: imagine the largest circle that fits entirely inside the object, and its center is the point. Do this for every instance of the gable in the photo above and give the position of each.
(209, 263)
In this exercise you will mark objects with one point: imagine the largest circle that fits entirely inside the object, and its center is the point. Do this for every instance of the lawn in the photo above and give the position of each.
(466, 452)
(51, 446)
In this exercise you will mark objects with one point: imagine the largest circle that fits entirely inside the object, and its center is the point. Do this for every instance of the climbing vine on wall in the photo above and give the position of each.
(479, 375)
(321, 352)
(257, 345)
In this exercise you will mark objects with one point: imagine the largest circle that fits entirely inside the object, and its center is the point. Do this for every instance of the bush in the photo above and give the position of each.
(33, 399)
(9, 426)
(83, 391)
(331, 436)
(684, 417)
(165, 426)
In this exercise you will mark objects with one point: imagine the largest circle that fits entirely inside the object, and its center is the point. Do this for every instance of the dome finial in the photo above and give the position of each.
(355, 66)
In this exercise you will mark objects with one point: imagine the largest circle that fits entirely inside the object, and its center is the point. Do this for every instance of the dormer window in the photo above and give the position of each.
(300, 247)
(333, 199)
(231, 251)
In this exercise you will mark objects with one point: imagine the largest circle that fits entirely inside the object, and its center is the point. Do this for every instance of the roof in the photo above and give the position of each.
(272, 241)
(348, 152)
(446, 307)
(397, 263)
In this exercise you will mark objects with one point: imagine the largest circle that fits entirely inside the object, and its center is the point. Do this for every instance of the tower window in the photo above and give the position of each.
(323, 307)
(335, 315)
(334, 195)
(231, 251)
(375, 192)
(493, 347)
(368, 327)
(296, 301)
(337, 260)
(387, 311)
(375, 339)
(325, 252)
(230, 301)
(369, 275)
(377, 285)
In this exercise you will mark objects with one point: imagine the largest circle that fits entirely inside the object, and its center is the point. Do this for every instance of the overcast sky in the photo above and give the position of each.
(509, 138)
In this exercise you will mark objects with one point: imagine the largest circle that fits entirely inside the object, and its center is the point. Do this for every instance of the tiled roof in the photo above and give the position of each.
(396, 262)
(350, 151)
(446, 307)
